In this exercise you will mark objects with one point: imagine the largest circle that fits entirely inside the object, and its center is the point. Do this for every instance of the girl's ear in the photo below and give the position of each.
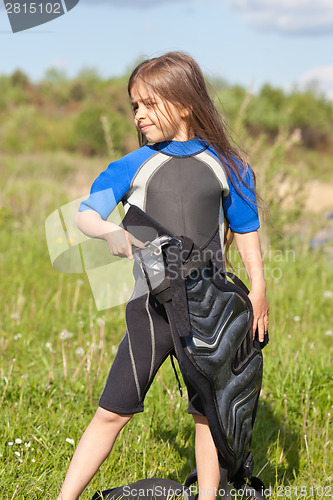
(184, 113)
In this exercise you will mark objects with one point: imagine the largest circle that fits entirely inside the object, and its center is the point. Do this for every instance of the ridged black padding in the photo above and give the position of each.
(220, 346)
(211, 321)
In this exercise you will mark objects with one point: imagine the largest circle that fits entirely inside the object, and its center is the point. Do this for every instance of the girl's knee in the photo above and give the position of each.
(110, 417)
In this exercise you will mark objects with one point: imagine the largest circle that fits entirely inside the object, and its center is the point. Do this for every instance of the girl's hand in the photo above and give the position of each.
(260, 313)
(120, 242)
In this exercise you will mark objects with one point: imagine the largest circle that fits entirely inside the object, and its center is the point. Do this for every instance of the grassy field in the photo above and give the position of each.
(56, 350)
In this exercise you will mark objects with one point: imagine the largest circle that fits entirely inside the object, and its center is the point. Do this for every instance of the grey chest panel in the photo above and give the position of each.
(184, 196)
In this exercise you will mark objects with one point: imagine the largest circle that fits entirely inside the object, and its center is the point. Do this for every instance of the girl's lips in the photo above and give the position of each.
(144, 127)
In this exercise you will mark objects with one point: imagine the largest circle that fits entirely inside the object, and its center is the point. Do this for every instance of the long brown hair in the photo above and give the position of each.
(176, 78)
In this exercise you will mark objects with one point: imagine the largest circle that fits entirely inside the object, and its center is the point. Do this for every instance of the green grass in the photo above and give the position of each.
(49, 391)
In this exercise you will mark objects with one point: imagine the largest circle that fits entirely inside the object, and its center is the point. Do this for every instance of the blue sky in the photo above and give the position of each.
(283, 42)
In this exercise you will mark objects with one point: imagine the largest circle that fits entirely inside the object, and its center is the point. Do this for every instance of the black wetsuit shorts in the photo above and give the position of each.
(144, 347)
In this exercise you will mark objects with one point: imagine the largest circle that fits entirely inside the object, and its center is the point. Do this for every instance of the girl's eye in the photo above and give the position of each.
(149, 104)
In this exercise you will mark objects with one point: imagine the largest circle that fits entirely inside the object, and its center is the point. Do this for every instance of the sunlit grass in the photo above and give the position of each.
(56, 350)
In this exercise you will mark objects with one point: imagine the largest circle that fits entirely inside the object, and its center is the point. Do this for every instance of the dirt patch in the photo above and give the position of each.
(319, 196)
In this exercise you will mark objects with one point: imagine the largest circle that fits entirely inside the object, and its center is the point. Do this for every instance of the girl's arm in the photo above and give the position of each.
(248, 245)
(118, 240)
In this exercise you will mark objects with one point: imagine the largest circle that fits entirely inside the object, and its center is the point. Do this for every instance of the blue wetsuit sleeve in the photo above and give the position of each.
(241, 208)
(108, 189)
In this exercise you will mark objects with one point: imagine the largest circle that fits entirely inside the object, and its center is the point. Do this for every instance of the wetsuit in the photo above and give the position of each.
(185, 188)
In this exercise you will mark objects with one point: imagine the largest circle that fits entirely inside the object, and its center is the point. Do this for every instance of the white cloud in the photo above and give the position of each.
(311, 17)
(320, 78)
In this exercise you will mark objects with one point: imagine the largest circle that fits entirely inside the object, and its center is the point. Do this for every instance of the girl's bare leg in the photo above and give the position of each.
(207, 462)
(94, 447)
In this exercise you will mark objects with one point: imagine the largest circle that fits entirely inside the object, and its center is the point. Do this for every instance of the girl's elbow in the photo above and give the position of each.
(86, 221)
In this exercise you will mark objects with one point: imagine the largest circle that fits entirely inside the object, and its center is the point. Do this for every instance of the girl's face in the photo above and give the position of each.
(156, 121)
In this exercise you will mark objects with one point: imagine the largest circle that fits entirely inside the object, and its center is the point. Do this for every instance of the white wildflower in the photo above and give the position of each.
(27, 445)
(297, 318)
(18, 441)
(17, 336)
(15, 315)
(100, 321)
(65, 334)
(79, 351)
(17, 453)
(328, 294)
(10, 443)
(70, 441)
(329, 333)
(33, 460)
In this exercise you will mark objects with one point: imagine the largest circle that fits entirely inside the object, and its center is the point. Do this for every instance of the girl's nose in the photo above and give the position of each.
(140, 112)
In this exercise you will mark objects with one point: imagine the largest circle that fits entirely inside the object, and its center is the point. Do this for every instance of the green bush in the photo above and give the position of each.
(28, 130)
(54, 87)
(314, 116)
(229, 101)
(88, 132)
(23, 131)
(4, 87)
(77, 91)
(89, 136)
(267, 111)
(20, 79)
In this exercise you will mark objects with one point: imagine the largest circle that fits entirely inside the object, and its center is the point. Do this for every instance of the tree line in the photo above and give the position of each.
(89, 115)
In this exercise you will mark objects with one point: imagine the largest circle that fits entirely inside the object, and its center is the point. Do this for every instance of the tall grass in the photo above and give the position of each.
(56, 350)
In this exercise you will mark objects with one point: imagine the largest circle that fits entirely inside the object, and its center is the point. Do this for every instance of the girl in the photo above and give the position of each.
(189, 177)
